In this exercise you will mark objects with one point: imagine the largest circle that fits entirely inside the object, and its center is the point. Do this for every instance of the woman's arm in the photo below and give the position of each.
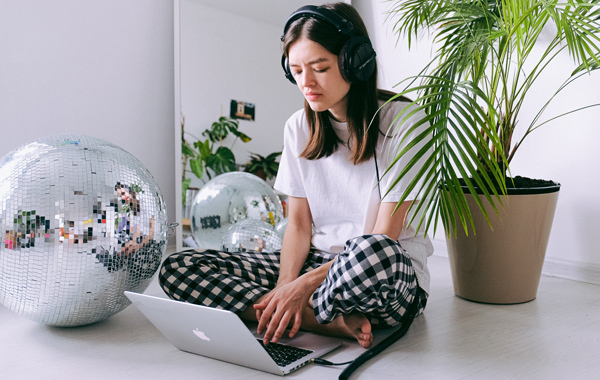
(287, 301)
(296, 241)
(391, 223)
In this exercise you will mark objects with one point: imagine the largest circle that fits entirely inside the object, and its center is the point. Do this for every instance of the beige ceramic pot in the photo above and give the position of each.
(504, 265)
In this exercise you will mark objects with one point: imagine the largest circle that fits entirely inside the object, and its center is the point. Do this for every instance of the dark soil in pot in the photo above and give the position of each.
(523, 185)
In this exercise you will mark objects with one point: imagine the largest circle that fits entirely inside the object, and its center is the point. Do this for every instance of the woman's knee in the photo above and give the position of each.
(185, 261)
(388, 252)
(380, 262)
(371, 275)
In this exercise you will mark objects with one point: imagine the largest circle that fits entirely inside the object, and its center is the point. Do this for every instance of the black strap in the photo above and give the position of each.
(411, 313)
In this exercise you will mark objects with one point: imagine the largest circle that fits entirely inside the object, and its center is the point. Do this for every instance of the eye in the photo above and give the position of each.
(321, 70)
(296, 72)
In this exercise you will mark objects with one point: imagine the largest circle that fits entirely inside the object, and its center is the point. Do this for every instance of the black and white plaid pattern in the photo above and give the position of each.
(225, 280)
(372, 275)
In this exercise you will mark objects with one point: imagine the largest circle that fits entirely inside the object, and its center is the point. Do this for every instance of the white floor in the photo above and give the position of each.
(556, 336)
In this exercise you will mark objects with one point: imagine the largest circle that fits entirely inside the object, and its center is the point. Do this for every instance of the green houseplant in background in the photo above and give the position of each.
(209, 157)
(263, 167)
(488, 58)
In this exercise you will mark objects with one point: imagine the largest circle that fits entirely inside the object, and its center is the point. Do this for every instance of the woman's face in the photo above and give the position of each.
(318, 76)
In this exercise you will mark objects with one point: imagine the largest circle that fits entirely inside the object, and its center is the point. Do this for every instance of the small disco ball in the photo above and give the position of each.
(251, 235)
(281, 226)
(228, 199)
(83, 221)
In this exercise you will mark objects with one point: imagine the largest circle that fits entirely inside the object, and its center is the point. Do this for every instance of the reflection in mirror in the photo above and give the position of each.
(228, 50)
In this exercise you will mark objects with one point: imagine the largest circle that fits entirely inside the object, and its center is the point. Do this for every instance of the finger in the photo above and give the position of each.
(296, 326)
(260, 308)
(272, 327)
(265, 318)
(283, 324)
(262, 304)
(262, 324)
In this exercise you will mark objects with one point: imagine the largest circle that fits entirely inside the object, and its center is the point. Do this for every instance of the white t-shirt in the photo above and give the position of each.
(343, 197)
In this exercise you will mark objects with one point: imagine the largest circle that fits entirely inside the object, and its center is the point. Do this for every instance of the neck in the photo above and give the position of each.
(338, 111)
(338, 118)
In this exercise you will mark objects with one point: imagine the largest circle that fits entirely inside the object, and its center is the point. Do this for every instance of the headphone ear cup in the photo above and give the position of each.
(286, 69)
(357, 59)
(343, 62)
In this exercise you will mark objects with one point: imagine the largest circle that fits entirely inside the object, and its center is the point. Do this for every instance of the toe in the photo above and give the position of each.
(365, 327)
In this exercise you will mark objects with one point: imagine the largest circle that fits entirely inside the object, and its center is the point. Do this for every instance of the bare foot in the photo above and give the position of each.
(355, 325)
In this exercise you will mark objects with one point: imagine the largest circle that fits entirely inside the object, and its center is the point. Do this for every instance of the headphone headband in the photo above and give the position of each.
(341, 24)
(356, 59)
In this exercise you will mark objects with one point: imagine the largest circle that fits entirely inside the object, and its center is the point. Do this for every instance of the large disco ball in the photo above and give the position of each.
(228, 199)
(83, 221)
(251, 235)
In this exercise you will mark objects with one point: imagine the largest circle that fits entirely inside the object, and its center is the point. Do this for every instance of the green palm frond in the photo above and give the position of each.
(472, 91)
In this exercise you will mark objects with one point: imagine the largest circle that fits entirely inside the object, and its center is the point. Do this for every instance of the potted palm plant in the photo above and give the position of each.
(488, 58)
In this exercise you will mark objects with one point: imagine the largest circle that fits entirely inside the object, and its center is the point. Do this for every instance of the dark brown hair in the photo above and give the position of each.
(362, 98)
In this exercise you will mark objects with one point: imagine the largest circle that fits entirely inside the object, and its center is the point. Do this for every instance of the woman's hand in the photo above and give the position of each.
(283, 305)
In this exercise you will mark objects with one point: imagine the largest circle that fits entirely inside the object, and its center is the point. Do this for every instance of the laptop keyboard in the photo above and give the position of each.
(284, 355)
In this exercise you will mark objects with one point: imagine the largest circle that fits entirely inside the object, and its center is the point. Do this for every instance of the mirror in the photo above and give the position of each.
(230, 50)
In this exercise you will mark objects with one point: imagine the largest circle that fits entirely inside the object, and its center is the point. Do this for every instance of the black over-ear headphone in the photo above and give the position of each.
(357, 57)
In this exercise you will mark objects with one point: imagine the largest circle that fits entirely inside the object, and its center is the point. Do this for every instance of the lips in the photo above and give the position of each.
(312, 96)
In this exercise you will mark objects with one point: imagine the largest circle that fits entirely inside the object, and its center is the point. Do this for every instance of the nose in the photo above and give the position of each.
(307, 79)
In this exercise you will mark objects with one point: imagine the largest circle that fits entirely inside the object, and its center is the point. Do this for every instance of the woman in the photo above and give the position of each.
(352, 273)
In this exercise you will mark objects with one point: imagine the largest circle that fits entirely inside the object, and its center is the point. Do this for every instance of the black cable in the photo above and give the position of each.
(370, 353)
(377, 171)
(326, 362)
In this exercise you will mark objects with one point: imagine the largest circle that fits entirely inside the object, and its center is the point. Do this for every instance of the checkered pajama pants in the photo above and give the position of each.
(372, 275)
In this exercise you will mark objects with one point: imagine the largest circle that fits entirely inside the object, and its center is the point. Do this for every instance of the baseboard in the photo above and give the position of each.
(567, 269)
(572, 270)
(439, 246)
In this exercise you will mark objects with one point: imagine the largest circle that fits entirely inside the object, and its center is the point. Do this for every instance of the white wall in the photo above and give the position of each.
(564, 151)
(227, 56)
(99, 68)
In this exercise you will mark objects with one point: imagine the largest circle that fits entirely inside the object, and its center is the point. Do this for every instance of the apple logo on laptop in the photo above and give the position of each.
(201, 335)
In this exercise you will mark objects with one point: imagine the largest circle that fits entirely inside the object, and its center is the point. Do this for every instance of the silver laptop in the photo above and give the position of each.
(221, 334)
